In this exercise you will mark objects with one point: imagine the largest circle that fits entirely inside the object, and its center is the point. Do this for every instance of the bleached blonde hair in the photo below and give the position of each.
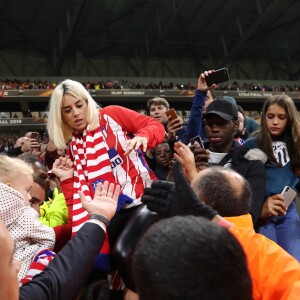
(12, 167)
(58, 131)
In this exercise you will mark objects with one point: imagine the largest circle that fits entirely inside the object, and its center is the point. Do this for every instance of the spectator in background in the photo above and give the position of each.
(27, 113)
(279, 138)
(221, 124)
(204, 95)
(163, 156)
(251, 125)
(157, 108)
(230, 99)
(22, 145)
(41, 181)
(241, 134)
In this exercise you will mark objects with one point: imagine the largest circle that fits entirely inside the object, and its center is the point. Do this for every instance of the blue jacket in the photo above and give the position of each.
(277, 177)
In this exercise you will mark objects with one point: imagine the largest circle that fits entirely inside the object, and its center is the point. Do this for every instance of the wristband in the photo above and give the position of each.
(100, 218)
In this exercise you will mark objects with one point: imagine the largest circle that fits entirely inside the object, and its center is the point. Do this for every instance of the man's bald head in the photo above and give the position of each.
(224, 190)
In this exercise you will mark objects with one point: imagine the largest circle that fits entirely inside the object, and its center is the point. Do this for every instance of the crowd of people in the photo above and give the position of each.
(124, 205)
(16, 84)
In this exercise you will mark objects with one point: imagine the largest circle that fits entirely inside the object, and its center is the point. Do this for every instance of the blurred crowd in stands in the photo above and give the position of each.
(8, 142)
(16, 84)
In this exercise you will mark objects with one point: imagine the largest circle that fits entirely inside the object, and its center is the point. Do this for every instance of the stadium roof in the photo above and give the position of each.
(225, 31)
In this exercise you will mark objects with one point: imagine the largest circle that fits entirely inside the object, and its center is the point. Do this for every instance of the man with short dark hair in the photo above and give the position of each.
(209, 263)
(221, 123)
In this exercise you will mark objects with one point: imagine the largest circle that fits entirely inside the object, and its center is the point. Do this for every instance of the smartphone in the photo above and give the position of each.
(217, 76)
(171, 112)
(35, 135)
(289, 195)
(197, 139)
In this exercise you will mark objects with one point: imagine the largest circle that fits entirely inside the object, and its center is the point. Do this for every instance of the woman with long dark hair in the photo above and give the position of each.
(279, 138)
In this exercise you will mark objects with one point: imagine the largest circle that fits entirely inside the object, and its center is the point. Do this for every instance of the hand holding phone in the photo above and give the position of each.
(289, 195)
(171, 112)
(197, 139)
(217, 76)
(35, 135)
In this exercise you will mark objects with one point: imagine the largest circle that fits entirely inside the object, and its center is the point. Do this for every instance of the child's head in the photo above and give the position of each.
(278, 113)
(280, 121)
(17, 174)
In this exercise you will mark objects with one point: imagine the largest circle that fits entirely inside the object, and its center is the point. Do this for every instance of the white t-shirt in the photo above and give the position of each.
(216, 157)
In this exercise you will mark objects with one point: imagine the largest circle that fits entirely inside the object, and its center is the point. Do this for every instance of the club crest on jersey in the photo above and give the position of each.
(280, 152)
(94, 184)
(115, 158)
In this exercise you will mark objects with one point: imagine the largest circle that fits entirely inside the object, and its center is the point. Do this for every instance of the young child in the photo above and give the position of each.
(33, 240)
(279, 138)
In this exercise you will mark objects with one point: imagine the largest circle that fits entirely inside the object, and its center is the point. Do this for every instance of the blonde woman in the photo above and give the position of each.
(105, 144)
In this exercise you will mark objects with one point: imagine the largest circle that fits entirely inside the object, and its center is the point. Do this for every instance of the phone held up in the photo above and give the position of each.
(217, 76)
(171, 112)
(35, 135)
(289, 195)
(197, 139)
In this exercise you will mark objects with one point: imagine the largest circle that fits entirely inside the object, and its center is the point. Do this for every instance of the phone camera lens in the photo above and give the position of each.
(287, 188)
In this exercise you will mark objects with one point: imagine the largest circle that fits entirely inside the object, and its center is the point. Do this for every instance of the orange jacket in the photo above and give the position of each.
(275, 273)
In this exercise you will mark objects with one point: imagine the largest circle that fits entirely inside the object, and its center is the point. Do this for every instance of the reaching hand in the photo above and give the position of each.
(29, 144)
(105, 200)
(186, 158)
(273, 206)
(173, 126)
(20, 141)
(170, 199)
(135, 144)
(202, 86)
(201, 156)
(160, 197)
(63, 168)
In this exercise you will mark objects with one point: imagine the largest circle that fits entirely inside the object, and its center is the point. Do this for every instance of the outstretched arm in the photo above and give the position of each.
(70, 268)
(194, 127)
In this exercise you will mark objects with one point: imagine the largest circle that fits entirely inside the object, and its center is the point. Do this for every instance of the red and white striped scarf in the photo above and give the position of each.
(91, 165)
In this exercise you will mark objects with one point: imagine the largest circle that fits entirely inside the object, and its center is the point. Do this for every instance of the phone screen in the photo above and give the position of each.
(217, 76)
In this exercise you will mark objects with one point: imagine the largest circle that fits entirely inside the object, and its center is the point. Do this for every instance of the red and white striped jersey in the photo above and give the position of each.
(118, 124)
